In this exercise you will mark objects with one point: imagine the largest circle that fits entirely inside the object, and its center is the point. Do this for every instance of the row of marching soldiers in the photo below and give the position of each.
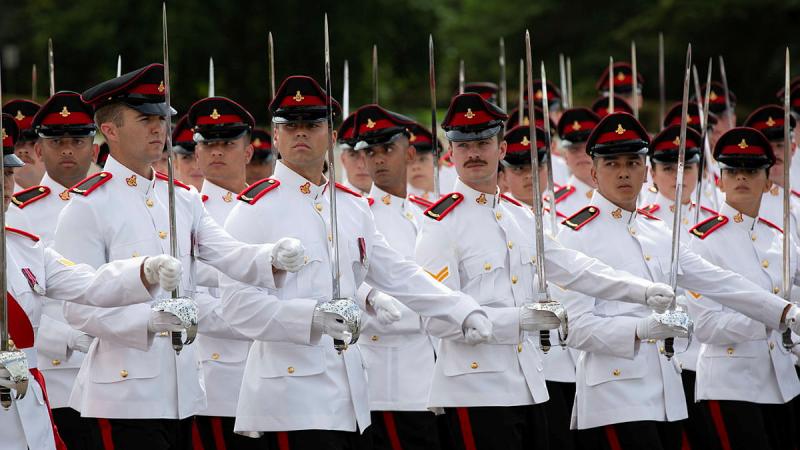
(449, 353)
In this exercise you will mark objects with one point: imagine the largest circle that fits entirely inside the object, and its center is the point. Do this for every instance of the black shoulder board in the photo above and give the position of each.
(443, 207)
(706, 227)
(255, 191)
(27, 196)
(563, 192)
(91, 183)
(582, 217)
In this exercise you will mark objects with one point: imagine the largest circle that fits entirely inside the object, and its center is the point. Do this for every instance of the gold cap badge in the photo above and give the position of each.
(161, 86)
(3, 134)
(64, 112)
(576, 126)
(19, 115)
(214, 114)
(770, 121)
(370, 123)
(469, 114)
(619, 129)
(677, 141)
(298, 97)
(620, 76)
(256, 142)
(743, 144)
(525, 141)
(712, 96)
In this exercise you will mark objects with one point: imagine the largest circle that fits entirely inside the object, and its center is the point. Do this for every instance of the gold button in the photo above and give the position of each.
(765, 263)
(753, 237)
(164, 333)
(123, 373)
(661, 350)
(318, 206)
(215, 356)
(56, 362)
(647, 257)
(330, 237)
(519, 348)
(487, 267)
(162, 234)
(514, 279)
(474, 365)
(616, 372)
(11, 343)
(149, 202)
(290, 369)
(305, 259)
(409, 216)
(374, 338)
(651, 341)
(771, 345)
(499, 215)
(680, 365)
(633, 232)
(510, 245)
(776, 289)
(730, 351)
(135, 254)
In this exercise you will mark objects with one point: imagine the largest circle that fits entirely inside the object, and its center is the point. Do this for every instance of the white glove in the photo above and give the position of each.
(161, 321)
(385, 306)
(532, 320)
(331, 324)
(164, 271)
(80, 342)
(288, 254)
(477, 328)
(650, 328)
(5, 379)
(659, 297)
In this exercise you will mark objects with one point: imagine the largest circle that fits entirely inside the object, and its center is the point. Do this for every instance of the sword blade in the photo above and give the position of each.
(521, 107)
(562, 75)
(676, 217)
(119, 65)
(332, 170)
(461, 77)
(4, 338)
(34, 82)
(537, 194)
(346, 90)
(610, 84)
(211, 81)
(51, 66)
(550, 192)
(635, 81)
(503, 87)
(271, 63)
(569, 81)
(375, 96)
(787, 159)
(434, 125)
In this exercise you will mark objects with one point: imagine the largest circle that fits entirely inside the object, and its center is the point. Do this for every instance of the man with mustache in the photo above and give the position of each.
(132, 376)
(64, 130)
(628, 393)
(480, 242)
(297, 388)
(738, 352)
(574, 128)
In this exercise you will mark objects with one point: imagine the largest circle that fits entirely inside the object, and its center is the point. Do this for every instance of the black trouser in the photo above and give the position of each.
(403, 430)
(78, 433)
(147, 434)
(643, 435)
(315, 440)
(216, 433)
(745, 425)
(498, 427)
(699, 430)
(559, 411)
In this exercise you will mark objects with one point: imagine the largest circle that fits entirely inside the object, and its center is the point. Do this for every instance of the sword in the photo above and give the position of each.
(346, 90)
(435, 143)
(191, 331)
(569, 80)
(562, 74)
(787, 192)
(119, 65)
(543, 301)
(705, 155)
(676, 317)
(503, 87)
(12, 359)
(662, 92)
(374, 74)
(271, 58)
(610, 84)
(724, 77)
(635, 81)
(51, 66)
(461, 77)
(34, 79)
(211, 82)
(551, 200)
(521, 108)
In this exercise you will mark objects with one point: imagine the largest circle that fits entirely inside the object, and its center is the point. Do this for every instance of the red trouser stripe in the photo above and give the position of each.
(105, 434)
(60, 445)
(391, 430)
(613, 439)
(216, 430)
(466, 429)
(685, 441)
(283, 440)
(197, 440)
(719, 424)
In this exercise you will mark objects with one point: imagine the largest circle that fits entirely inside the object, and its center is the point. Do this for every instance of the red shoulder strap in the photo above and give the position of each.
(420, 201)
(30, 236)
(165, 177)
(510, 200)
(348, 190)
(761, 219)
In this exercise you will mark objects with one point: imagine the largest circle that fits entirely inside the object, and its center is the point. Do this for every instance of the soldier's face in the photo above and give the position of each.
(420, 171)
(140, 137)
(223, 160)
(743, 187)
(302, 144)
(355, 165)
(619, 178)
(33, 171)
(8, 186)
(187, 170)
(519, 181)
(776, 171)
(579, 162)
(258, 169)
(476, 161)
(387, 163)
(66, 157)
(665, 178)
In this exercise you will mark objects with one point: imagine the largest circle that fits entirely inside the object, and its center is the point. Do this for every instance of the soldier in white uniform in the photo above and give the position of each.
(123, 212)
(480, 242)
(355, 176)
(296, 387)
(745, 377)
(262, 164)
(35, 270)
(574, 128)
(560, 169)
(629, 394)
(221, 129)
(420, 170)
(186, 168)
(399, 356)
(23, 111)
(65, 130)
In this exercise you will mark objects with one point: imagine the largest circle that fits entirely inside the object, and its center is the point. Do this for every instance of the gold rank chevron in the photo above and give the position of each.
(441, 275)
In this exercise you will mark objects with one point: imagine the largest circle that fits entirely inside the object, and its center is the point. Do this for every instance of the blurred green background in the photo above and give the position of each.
(89, 34)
